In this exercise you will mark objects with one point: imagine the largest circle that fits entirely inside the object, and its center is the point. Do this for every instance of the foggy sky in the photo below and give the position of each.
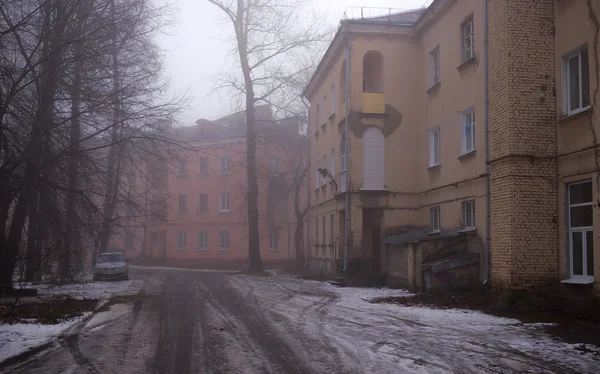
(196, 49)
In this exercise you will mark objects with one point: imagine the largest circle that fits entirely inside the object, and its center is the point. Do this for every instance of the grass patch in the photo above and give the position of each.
(48, 311)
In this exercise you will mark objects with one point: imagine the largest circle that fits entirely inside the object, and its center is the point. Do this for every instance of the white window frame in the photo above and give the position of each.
(225, 164)
(469, 207)
(434, 65)
(434, 146)
(280, 203)
(181, 240)
(332, 95)
(467, 32)
(467, 114)
(583, 230)
(274, 240)
(182, 168)
(202, 240)
(274, 166)
(224, 202)
(567, 81)
(434, 214)
(317, 176)
(182, 198)
(224, 240)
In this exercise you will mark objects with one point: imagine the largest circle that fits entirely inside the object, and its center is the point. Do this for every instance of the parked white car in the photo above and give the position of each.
(111, 266)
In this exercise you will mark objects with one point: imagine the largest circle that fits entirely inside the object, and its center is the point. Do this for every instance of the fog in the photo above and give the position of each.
(197, 49)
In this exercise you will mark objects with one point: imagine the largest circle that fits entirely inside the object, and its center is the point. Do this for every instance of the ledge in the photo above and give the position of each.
(468, 230)
(323, 125)
(202, 249)
(182, 249)
(224, 249)
(434, 232)
(434, 88)
(578, 281)
(467, 63)
(434, 167)
(332, 116)
(583, 112)
(467, 155)
(385, 190)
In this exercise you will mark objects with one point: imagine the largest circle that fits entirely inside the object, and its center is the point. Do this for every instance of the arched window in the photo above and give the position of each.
(373, 160)
(373, 72)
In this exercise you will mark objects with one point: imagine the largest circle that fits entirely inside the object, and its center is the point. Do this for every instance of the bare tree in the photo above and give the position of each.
(268, 37)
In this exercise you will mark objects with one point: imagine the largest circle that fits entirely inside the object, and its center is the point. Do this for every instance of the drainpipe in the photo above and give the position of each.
(486, 105)
(347, 147)
(308, 191)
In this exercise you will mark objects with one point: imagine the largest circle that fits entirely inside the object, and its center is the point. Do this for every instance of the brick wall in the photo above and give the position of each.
(524, 203)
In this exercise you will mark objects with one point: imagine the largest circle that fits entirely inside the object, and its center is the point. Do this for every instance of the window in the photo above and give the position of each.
(274, 244)
(202, 240)
(331, 230)
(225, 164)
(343, 157)
(317, 118)
(332, 95)
(581, 231)
(324, 223)
(181, 240)
(280, 203)
(203, 203)
(183, 168)
(468, 131)
(182, 204)
(317, 230)
(317, 176)
(468, 209)
(224, 202)
(468, 48)
(323, 179)
(274, 166)
(324, 110)
(435, 218)
(333, 162)
(204, 166)
(224, 240)
(434, 63)
(434, 146)
(577, 80)
(129, 240)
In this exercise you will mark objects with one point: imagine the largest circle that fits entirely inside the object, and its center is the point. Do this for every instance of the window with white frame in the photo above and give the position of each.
(581, 230)
(225, 164)
(343, 155)
(435, 218)
(434, 63)
(577, 81)
(202, 239)
(434, 146)
(183, 168)
(224, 240)
(331, 229)
(468, 211)
(181, 239)
(468, 131)
(317, 175)
(274, 239)
(224, 203)
(333, 162)
(182, 204)
(332, 95)
(274, 166)
(467, 33)
(280, 203)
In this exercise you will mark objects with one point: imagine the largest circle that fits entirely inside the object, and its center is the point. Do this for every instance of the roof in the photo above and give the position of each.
(421, 235)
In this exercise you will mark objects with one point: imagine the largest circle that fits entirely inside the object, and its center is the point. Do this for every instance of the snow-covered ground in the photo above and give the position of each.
(387, 338)
(18, 338)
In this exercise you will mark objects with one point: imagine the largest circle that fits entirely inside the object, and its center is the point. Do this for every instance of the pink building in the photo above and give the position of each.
(196, 212)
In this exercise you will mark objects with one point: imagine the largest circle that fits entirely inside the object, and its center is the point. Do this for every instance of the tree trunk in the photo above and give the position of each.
(32, 237)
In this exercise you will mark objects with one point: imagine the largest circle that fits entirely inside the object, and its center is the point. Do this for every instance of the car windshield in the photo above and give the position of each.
(111, 257)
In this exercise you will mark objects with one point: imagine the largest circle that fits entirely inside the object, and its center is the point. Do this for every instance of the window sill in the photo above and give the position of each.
(434, 167)
(317, 134)
(330, 245)
(273, 250)
(181, 213)
(434, 232)
(332, 116)
(182, 249)
(467, 155)
(202, 249)
(374, 191)
(434, 88)
(223, 211)
(323, 125)
(224, 249)
(578, 280)
(576, 114)
(467, 63)
(468, 229)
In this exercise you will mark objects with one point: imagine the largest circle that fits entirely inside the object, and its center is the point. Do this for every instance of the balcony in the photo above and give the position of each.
(373, 103)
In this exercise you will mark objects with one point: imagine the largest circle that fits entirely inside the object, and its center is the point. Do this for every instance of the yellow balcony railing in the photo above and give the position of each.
(373, 102)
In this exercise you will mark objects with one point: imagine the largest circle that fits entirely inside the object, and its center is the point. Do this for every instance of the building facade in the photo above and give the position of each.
(195, 211)
(458, 136)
